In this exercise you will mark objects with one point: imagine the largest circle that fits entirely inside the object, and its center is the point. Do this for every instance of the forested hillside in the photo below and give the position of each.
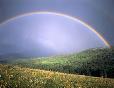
(93, 62)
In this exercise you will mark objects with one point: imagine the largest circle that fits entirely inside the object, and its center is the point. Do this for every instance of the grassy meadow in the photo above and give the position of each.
(89, 69)
(17, 77)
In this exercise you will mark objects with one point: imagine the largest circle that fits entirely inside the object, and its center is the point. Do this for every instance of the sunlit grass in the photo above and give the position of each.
(54, 61)
(17, 77)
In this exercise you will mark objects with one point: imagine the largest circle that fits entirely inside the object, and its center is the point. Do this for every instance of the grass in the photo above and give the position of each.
(60, 71)
(17, 77)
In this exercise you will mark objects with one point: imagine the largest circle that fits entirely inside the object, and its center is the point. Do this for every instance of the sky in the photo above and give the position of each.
(34, 34)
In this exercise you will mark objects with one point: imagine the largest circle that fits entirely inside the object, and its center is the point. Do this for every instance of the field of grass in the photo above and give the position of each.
(17, 77)
(65, 71)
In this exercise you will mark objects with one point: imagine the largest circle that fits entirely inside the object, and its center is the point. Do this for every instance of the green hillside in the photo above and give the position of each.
(18, 77)
(93, 62)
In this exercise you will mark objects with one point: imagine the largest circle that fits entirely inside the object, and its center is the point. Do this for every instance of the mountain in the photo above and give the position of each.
(92, 62)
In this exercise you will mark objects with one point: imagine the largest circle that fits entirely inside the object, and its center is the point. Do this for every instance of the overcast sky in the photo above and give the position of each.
(98, 13)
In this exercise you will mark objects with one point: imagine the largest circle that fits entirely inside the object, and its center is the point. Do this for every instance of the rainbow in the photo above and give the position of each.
(64, 15)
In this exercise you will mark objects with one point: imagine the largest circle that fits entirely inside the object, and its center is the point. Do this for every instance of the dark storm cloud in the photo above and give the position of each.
(98, 13)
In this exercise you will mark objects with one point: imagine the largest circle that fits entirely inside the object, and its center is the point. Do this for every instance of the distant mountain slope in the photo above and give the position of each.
(93, 62)
(16, 77)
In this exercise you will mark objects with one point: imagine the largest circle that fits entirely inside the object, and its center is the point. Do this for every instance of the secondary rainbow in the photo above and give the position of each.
(64, 15)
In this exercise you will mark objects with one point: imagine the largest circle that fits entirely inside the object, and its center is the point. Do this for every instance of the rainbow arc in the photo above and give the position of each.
(64, 15)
